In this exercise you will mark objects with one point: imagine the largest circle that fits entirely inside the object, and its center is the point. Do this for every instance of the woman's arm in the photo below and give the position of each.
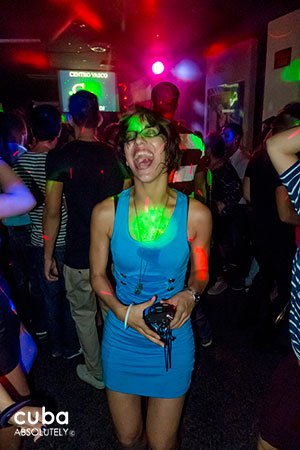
(16, 199)
(101, 231)
(199, 235)
(282, 149)
(285, 208)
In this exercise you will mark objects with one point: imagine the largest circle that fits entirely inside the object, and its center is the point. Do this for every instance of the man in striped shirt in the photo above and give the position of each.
(280, 421)
(189, 177)
(48, 296)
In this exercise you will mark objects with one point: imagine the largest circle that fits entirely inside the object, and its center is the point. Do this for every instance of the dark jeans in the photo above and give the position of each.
(274, 255)
(61, 326)
(202, 325)
(224, 250)
(230, 254)
(19, 278)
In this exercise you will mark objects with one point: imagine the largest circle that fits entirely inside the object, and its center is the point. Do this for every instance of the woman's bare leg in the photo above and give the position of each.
(263, 445)
(163, 418)
(16, 384)
(126, 413)
(17, 379)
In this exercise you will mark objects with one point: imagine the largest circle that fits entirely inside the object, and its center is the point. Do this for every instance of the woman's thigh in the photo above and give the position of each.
(126, 414)
(163, 419)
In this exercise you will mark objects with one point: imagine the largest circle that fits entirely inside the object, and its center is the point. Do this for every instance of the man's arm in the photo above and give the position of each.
(285, 208)
(282, 149)
(246, 189)
(51, 223)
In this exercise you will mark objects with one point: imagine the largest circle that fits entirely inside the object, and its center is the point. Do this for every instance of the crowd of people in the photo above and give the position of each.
(128, 229)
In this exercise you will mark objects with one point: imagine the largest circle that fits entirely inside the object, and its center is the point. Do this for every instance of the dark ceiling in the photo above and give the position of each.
(131, 32)
(180, 24)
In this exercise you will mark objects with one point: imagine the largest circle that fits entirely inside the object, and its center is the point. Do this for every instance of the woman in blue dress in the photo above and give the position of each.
(153, 231)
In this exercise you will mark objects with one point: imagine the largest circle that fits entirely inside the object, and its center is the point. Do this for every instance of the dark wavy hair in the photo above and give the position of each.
(45, 122)
(167, 130)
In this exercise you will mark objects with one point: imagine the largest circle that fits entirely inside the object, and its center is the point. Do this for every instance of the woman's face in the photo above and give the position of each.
(145, 150)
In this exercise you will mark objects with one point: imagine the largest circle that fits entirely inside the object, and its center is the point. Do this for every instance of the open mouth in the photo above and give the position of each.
(143, 160)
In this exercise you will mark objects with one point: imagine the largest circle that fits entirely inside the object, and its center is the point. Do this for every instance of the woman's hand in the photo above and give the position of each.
(33, 411)
(136, 321)
(184, 303)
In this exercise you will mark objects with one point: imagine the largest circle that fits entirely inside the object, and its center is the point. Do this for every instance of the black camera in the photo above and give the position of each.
(158, 317)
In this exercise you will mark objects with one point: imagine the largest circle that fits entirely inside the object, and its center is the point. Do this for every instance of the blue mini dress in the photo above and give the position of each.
(131, 363)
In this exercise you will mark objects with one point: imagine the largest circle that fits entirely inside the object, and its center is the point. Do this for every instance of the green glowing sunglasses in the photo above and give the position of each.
(148, 132)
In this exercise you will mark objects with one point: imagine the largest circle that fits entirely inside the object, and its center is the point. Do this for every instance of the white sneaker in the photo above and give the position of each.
(73, 355)
(219, 287)
(84, 375)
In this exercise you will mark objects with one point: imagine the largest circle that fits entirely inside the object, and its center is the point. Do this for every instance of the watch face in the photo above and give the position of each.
(197, 297)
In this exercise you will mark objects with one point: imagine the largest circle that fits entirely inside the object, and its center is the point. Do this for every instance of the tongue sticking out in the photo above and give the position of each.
(143, 163)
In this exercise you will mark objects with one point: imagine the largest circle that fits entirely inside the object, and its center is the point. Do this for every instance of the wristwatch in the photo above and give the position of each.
(196, 294)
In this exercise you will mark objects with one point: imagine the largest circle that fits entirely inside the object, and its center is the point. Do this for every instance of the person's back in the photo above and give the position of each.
(263, 184)
(30, 166)
(87, 172)
(273, 244)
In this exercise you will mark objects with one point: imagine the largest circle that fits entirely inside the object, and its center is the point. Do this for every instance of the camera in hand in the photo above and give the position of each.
(158, 318)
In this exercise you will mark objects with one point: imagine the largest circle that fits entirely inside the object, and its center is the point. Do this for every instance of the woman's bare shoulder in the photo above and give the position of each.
(105, 209)
(198, 211)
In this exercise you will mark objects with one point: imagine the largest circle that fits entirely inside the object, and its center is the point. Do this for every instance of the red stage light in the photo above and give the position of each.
(158, 67)
(87, 15)
(150, 6)
(32, 58)
(83, 11)
(215, 49)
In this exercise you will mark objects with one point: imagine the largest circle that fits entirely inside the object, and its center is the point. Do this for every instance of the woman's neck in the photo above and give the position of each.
(150, 194)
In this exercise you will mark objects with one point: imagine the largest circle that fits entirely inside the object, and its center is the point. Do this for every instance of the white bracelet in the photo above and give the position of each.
(127, 315)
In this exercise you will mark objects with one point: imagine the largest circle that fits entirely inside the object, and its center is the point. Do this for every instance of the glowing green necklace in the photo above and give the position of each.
(145, 224)
(145, 235)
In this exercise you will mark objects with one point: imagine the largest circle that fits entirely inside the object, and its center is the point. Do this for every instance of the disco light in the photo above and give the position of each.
(158, 67)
